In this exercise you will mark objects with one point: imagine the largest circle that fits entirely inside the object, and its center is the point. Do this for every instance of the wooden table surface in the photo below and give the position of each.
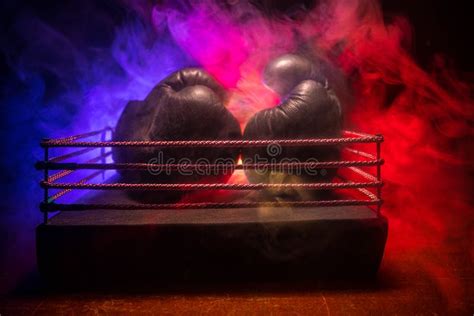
(419, 275)
(405, 286)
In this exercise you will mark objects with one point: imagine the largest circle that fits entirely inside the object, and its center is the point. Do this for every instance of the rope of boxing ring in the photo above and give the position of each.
(72, 142)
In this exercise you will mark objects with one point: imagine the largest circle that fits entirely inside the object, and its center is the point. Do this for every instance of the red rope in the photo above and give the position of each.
(71, 155)
(360, 153)
(365, 175)
(208, 186)
(64, 173)
(63, 192)
(215, 143)
(142, 206)
(145, 166)
(76, 137)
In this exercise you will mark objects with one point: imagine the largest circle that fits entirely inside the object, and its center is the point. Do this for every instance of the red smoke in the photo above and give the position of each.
(427, 125)
(425, 116)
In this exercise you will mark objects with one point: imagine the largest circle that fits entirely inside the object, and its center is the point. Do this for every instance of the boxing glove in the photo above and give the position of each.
(309, 109)
(187, 105)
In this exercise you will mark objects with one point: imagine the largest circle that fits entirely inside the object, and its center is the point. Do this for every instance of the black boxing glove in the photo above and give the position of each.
(309, 110)
(187, 105)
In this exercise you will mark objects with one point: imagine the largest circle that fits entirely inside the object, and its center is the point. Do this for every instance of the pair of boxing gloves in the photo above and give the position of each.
(190, 105)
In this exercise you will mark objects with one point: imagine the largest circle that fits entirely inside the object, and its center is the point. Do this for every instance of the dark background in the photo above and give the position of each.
(439, 27)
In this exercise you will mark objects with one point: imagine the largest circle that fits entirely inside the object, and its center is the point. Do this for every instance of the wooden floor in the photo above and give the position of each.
(408, 283)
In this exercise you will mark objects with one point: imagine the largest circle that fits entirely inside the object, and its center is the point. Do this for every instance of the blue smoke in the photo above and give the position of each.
(68, 71)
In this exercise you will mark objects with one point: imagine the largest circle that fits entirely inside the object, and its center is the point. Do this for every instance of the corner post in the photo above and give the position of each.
(46, 176)
(103, 138)
(379, 174)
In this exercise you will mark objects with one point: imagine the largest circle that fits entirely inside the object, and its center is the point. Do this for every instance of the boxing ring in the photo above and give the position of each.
(344, 232)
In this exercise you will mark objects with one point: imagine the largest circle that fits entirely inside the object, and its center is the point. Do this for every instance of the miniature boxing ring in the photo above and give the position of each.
(105, 236)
